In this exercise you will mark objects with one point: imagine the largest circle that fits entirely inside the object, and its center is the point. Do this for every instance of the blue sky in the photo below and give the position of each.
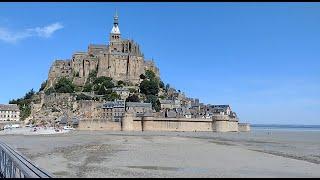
(261, 58)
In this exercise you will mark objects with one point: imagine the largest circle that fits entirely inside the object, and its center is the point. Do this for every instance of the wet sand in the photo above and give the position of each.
(171, 154)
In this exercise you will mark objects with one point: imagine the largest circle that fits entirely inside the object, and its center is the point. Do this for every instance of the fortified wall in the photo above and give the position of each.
(132, 123)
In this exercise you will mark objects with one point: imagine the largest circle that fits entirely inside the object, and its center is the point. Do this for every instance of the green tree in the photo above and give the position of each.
(83, 97)
(15, 101)
(87, 87)
(43, 85)
(24, 104)
(77, 89)
(161, 85)
(64, 85)
(102, 90)
(120, 83)
(154, 101)
(132, 90)
(29, 94)
(102, 79)
(142, 76)
(111, 96)
(150, 74)
(133, 98)
(49, 91)
(92, 76)
(148, 87)
(76, 74)
(102, 84)
(25, 111)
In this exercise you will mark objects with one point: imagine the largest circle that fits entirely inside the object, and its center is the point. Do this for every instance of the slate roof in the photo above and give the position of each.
(9, 107)
(165, 101)
(220, 106)
(138, 104)
(114, 104)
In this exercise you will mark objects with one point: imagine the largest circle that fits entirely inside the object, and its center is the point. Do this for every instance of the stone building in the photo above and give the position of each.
(123, 92)
(220, 109)
(139, 109)
(195, 103)
(166, 103)
(9, 112)
(187, 113)
(170, 113)
(114, 110)
(120, 59)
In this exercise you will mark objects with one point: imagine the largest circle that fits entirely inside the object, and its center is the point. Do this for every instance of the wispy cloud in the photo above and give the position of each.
(47, 31)
(9, 36)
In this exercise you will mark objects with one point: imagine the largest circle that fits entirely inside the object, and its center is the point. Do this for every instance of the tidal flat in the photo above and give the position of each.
(173, 154)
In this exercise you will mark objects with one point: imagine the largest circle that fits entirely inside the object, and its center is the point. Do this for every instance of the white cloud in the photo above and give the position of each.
(47, 31)
(44, 32)
(12, 37)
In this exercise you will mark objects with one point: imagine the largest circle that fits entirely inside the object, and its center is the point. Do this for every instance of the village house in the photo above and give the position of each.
(139, 109)
(166, 104)
(123, 92)
(221, 109)
(113, 110)
(9, 112)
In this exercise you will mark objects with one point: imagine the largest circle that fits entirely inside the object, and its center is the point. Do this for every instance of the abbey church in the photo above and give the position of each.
(120, 59)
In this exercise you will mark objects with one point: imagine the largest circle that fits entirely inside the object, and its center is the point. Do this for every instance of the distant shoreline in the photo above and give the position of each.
(286, 125)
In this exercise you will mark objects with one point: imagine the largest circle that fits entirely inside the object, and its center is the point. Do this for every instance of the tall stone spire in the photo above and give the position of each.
(115, 32)
(115, 19)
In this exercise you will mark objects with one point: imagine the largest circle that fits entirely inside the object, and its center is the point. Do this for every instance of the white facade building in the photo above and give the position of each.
(9, 112)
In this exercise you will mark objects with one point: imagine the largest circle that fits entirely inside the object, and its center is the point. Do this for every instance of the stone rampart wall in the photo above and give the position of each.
(233, 126)
(99, 124)
(221, 126)
(244, 127)
(160, 124)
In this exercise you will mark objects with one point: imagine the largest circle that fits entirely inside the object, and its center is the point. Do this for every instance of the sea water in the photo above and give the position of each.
(285, 127)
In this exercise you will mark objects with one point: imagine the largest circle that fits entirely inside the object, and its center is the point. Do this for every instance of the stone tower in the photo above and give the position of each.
(124, 59)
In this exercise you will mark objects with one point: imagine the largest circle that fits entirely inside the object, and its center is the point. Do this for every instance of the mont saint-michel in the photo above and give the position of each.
(113, 86)
(149, 90)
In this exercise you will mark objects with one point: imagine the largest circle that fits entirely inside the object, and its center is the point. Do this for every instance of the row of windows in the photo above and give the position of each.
(6, 112)
(114, 109)
(4, 116)
(7, 120)
(115, 114)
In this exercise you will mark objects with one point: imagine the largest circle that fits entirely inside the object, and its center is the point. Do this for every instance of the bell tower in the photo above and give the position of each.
(115, 32)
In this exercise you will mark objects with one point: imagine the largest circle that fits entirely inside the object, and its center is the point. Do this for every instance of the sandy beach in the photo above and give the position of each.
(30, 131)
(172, 154)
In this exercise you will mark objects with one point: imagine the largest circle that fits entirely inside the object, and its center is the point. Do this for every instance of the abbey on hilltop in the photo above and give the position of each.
(120, 59)
(113, 87)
